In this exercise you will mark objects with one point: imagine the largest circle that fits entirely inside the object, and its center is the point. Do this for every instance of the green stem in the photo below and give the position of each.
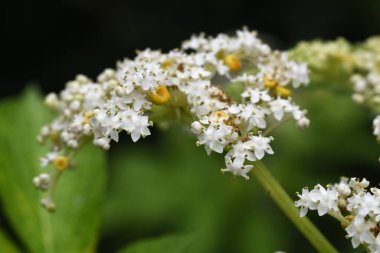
(276, 125)
(285, 203)
(337, 215)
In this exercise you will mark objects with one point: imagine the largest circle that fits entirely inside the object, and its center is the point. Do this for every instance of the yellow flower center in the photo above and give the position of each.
(232, 62)
(270, 83)
(283, 92)
(166, 64)
(219, 114)
(161, 95)
(87, 117)
(61, 163)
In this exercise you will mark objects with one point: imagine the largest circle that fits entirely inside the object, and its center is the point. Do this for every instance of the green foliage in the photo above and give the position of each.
(164, 244)
(166, 195)
(169, 185)
(74, 227)
(6, 244)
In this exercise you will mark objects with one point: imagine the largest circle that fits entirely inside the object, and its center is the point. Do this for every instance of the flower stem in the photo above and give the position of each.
(285, 203)
(337, 215)
(276, 125)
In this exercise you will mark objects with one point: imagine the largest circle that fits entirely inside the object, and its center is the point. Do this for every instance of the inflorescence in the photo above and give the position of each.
(189, 84)
(353, 204)
(358, 65)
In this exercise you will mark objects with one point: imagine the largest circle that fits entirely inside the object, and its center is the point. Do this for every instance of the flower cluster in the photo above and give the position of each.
(353, 204)
(193, 81)
(325, 58)
(358, 65)
(366, 78)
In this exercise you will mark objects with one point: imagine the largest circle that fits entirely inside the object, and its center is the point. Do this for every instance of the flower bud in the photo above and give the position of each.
(269, 83)
(196, 127)
(52, 102)
(303, 123)
(282, 91)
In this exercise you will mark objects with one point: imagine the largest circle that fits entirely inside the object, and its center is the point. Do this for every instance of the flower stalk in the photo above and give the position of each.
(285, 203)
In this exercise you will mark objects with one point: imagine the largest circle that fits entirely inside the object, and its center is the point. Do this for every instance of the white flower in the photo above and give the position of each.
(195, 42)
(256, 95)
(326, 199)
(298, 73)
(279, 107)
(42, 181)
(305, 202)
(104, 143)
(359, 82)
(243, 149)
(137, 100)
(136, 126)
(303, 122)
(261, 146)
(253, 116)
(376, 126)
(358, 186)
(196, 127)
(52, 101)
(343, 189)
(364, 204)
(48, 158)
(237, 167)
(360, 231)
(375, 245)
(250, 79)
(214, 138)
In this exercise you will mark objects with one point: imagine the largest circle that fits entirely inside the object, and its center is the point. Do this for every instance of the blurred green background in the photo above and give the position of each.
(164, 194)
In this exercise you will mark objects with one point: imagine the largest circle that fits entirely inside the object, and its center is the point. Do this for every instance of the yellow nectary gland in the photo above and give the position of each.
(61, 163)
(161, 95)
(270, 83)
(283, 92)
(87, 117)
(219, 114)
(166, 64)
(233, 62)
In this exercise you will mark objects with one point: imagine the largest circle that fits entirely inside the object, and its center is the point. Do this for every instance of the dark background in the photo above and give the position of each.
(49, 42)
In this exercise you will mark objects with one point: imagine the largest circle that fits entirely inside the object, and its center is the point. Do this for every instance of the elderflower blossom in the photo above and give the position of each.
(353, 204)
(127, 98)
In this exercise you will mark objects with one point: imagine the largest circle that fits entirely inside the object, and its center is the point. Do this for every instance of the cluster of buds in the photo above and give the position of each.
(350, 202)
(191, 84)
(366, 78)
(325, 59)
(358, 65)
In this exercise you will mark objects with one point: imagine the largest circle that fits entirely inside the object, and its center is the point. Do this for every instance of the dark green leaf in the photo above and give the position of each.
(74, 227)
(6, 244)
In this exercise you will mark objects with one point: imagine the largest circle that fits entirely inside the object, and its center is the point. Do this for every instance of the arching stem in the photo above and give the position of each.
(285, 203)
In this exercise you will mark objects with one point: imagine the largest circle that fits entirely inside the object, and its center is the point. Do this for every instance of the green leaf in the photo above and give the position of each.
(6, 244)
(75, 224)
(163, 244)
